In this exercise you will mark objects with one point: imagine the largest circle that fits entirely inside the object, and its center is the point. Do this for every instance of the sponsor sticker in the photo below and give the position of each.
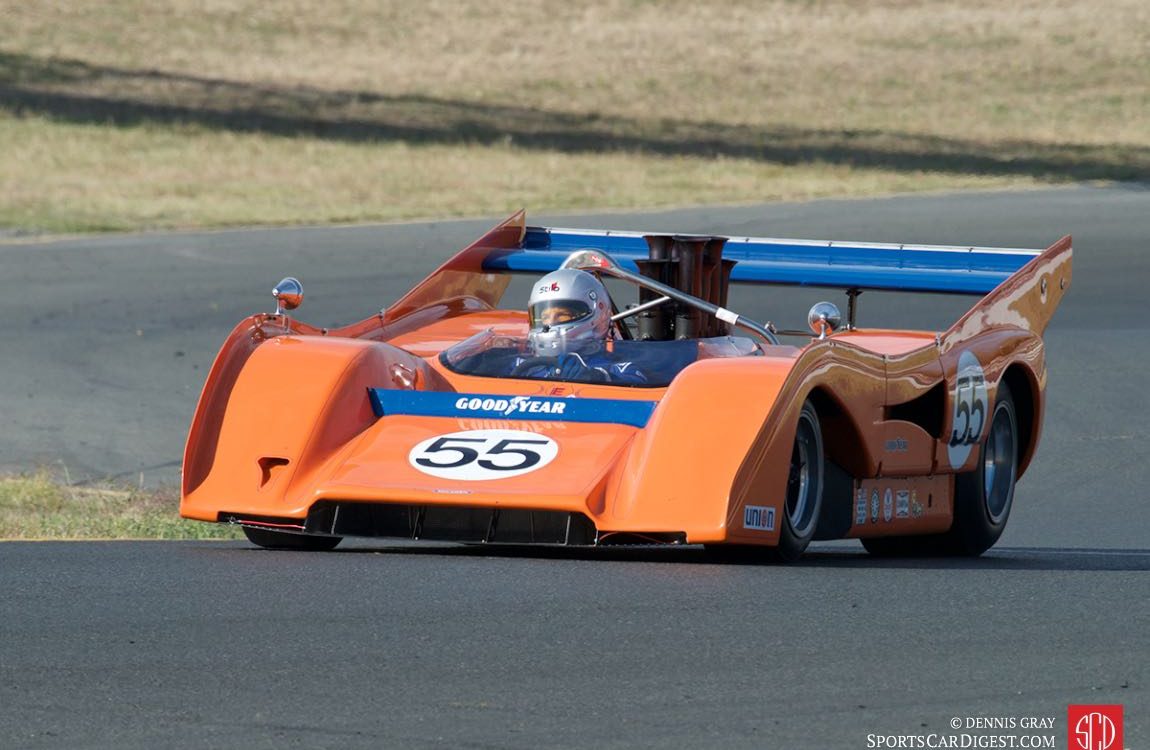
(874, 506)
(478, 455)
(902, 504)
(888, 505)
(1094, 727)
(897, 445)
(860, 507)
(511, 405)
(759, 518)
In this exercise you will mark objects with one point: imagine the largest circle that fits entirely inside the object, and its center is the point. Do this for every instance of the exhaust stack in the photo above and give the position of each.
(691, 264)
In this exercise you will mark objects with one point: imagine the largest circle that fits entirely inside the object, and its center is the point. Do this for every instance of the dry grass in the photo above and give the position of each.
(242, 179)
(124, 114)
(37, 506)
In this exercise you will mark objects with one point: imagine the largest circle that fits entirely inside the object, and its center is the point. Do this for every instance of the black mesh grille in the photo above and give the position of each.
(450, 523)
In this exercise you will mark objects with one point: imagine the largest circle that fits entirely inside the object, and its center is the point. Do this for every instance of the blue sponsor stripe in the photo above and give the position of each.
(762, 261)
(386, 402)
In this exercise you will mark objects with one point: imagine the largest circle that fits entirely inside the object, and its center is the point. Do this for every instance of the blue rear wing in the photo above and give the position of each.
(838, 265)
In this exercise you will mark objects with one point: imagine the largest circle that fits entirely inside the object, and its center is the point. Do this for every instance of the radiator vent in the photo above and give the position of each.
(450, 523)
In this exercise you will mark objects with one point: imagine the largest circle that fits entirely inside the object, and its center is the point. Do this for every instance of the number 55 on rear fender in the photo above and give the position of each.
(697, 425)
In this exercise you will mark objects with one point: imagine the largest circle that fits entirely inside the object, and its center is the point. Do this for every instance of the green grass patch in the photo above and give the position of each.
(37, 506)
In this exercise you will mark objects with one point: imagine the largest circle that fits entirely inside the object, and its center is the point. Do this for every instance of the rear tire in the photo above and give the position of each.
(982, 498)
(283, 540)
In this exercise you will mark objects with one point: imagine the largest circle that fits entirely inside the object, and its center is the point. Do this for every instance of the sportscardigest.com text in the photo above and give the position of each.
(964, 740)
(976, 732)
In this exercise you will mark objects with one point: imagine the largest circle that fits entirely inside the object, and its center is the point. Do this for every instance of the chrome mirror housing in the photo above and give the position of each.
(824, 319)
(590, 260)
(288, 294)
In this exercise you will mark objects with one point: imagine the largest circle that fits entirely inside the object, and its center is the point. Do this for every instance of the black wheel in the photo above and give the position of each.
(982, 498)
(283, 540)
(804, 499)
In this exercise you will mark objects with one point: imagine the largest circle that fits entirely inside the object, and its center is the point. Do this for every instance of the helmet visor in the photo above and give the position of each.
(557, 312)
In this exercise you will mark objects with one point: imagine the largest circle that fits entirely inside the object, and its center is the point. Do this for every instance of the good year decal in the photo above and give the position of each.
(477, 455)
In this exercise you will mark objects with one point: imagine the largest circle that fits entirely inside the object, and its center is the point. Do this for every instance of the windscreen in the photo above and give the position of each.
(649, 364)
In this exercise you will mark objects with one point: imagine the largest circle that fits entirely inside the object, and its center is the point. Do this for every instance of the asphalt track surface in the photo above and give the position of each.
(216, 644)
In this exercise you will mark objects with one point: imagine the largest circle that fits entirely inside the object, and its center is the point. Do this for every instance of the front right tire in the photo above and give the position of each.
(804, 498)
(802, 504)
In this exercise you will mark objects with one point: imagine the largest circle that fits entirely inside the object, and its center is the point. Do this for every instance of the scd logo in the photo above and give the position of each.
(1095, 727)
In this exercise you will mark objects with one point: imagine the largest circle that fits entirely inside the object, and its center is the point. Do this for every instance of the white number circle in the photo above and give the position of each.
(969, 415)
(477, 455)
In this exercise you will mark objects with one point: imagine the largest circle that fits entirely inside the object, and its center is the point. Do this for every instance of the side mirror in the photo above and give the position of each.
(288, 294)
(824, 319)
(589, 260)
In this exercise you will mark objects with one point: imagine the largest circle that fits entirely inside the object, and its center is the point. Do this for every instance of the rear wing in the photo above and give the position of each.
(1017, 284)
(838, 265)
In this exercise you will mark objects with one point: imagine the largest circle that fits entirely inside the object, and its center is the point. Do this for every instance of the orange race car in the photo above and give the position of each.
(667, 419)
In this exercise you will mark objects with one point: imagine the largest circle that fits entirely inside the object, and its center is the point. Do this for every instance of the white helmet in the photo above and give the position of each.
(568, 309)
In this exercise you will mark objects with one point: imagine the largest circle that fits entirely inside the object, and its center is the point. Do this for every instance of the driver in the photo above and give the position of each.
(570, 316)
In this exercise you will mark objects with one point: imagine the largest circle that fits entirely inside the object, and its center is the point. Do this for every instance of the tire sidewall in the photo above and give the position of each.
(792, 542)
(974, 531)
